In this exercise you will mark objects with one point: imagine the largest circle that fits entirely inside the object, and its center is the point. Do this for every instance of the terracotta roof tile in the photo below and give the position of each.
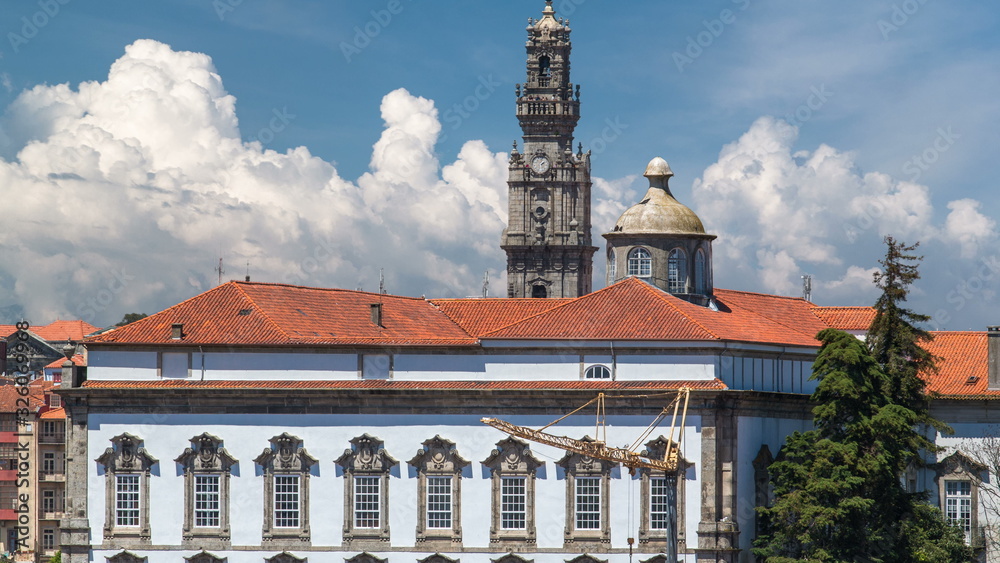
(53, 414)
(59, 331)
(480, 316)
(963, 370)
(846, 318)
(634, 310)
(9, 396)
(412, 385)
(77, 360)
(239, 313)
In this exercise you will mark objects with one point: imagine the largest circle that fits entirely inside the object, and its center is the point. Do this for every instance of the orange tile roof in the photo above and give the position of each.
(963, 356)
(714, 384)
(634, 310)
(59, 331)
(53, 414)
(7, 330)
(77, 360)
(480, 316)
(244, 313)
(846, 318)
(9, 396)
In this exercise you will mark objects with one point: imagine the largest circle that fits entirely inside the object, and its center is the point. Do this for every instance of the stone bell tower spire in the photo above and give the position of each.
(547, 239)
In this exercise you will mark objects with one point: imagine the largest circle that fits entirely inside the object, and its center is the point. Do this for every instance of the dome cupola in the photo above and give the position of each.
(662, 241)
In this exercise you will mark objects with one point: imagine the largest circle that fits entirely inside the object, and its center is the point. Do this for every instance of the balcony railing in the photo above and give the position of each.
(51, 475)
(53, 438)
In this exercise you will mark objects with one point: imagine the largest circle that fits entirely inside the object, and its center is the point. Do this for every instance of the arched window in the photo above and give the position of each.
(699, 272)
(612, 267)
(597, 371)
(539, 292)
(640, 263)
(544, 66)
(677, 271)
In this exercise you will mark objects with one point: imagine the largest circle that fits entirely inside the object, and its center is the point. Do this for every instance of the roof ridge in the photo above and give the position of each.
(261, 309)
(789, 297)
(543, 312)
(663, 296)
(327, 289)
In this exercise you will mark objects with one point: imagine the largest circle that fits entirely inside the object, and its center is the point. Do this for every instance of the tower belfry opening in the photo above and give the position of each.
(547, 239)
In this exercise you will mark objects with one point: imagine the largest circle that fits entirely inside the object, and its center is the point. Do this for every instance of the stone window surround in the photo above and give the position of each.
(126, 456)
(513, 458)
(206, 456)
(639, 261)
(366, 457)
(649, 538)
(579, 466)
(439, 458)
(679, 258)
(286, 456)
(959, 467)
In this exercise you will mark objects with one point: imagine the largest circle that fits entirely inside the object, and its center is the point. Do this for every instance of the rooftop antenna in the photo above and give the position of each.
(220, 271)
(807, 287)
(486, 284)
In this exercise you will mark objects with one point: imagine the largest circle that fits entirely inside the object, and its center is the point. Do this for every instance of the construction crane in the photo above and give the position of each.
(629, 457)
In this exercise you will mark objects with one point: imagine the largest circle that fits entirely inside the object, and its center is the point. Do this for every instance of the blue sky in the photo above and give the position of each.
(892, 105)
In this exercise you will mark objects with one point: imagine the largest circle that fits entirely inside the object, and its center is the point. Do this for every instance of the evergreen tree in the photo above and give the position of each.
(838, 497)
(894, 337)
(131, 318)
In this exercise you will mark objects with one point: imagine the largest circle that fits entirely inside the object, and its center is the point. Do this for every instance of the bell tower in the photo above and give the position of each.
(547, 239)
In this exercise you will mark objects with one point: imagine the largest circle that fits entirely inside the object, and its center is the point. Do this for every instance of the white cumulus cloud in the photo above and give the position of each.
(782, 213)
(120, 195)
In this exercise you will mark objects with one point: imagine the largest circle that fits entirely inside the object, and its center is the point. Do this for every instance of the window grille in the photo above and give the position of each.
(206, 501)
(439, 502)
(286, 501)
(513, 503)
(588, 503)
(367, 509)
(127, 500)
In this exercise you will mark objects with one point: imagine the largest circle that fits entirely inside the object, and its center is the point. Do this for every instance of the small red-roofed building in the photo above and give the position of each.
(32, 468)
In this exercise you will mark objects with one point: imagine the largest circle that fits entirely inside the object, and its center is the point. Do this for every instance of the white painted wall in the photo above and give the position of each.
(753, 433)
(327, 436)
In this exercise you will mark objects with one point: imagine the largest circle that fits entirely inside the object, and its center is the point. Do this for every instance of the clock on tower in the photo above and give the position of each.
(547, 239)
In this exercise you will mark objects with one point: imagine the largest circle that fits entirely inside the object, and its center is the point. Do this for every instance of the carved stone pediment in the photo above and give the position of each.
(657, 449)
(206, 454)
(660, 558)
(574, 462)
(438, 558)
(285, 557)
(286, 454)
(512, 558)
(512, 456)
(585, 558)
(126, 454)
(366, 455)
(126, 557)
(763, 460)
(439, 456)
(958, 463)
(205, 557)
(365, 557)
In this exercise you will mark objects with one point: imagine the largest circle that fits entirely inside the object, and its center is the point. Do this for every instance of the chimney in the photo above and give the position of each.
(993, 346)
(377, 314)
(176, 331)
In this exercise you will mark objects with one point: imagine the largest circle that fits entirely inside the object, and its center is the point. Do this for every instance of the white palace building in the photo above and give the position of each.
(267, 423)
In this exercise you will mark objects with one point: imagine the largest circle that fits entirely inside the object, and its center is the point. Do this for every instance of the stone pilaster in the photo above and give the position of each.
(75, 527)
(718, 532)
